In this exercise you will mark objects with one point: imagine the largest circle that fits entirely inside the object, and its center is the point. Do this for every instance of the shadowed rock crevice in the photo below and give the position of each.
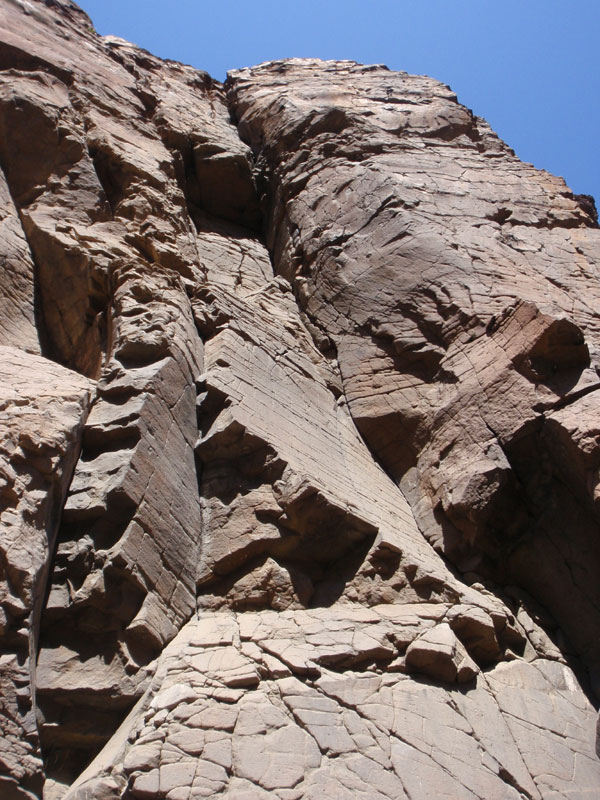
(110, 176)
(563, 526)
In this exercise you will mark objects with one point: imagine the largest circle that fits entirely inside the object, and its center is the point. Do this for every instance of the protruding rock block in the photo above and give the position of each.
(439, 654)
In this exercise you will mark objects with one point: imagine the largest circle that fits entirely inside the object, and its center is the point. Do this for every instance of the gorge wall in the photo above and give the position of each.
(300, 438)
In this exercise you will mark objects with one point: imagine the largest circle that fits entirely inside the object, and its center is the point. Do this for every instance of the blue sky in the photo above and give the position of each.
(530, 67)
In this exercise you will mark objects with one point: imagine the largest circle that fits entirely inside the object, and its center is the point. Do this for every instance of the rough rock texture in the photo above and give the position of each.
(299, 438)
(457, 288)
(43, 408)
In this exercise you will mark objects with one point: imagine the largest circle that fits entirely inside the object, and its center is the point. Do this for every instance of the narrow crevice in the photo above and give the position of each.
(109, 175)
(531, 461)
(85, 353)
(47, 346)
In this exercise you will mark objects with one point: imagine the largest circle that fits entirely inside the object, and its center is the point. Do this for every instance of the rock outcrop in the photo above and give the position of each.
(299, 445)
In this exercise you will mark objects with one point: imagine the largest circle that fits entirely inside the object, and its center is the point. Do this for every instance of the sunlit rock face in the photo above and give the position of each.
(299, 443)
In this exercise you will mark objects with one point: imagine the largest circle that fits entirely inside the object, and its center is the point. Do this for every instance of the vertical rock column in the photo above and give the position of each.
(43, 407)
(458, 288)
(125, 568)
(17, 313)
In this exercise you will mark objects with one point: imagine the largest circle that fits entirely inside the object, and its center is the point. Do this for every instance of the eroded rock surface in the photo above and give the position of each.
(232, 714)
(43, 406)
(457, 288)
(299, 435)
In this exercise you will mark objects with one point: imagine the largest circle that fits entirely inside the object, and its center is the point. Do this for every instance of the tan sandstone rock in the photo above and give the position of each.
(299, 446)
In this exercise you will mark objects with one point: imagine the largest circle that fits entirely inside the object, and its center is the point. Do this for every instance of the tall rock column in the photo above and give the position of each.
(43, 408)
(457, 288)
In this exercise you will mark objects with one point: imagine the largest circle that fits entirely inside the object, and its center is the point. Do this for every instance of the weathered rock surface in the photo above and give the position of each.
(299, 440)
(231, 713)
(43, 407)
(457, 287)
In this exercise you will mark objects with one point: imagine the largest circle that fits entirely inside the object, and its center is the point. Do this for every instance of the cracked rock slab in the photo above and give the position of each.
(369, 732)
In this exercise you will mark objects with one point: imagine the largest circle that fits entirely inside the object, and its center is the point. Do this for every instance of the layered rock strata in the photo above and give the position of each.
(299, 442)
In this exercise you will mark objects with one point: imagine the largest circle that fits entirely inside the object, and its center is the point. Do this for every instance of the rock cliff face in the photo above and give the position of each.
(299, 441)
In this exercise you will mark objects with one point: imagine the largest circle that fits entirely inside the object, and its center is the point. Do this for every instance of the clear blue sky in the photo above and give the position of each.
(530, 67)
